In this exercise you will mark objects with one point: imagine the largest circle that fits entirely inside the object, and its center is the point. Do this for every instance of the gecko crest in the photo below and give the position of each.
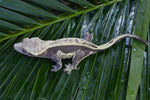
(75, 48)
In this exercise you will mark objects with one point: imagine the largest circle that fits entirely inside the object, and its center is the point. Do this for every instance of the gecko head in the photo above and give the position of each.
(30, 47)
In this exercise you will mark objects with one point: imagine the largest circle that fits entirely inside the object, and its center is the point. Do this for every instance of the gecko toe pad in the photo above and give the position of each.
(69, 68)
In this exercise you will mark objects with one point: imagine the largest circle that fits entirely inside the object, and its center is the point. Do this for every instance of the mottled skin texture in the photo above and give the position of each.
(74, 48)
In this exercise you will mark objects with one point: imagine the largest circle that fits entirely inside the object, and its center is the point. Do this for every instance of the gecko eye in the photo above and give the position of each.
(24, 51)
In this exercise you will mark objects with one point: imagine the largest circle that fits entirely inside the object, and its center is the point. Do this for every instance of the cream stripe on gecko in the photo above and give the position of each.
(75, 48)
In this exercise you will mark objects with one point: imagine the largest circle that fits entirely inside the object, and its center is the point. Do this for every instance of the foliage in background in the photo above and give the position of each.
(101, 76)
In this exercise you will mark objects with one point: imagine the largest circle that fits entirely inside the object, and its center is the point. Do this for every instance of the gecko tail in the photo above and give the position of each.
(113, 41)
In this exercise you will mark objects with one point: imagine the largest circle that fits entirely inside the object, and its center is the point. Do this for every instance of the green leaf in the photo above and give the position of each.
(54, 4)
(3, 34)
(7, 25)
(102, 76)
(82, 2)
(23, 7)
(141, 29)
(15, 17)
(148, 81)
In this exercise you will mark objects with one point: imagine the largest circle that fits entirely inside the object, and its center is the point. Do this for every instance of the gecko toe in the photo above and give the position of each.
(55, 68)
(76, 68)
(68, 68)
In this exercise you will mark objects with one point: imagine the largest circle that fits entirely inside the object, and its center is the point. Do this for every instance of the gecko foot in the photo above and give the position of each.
(69, 68)
(55, 68)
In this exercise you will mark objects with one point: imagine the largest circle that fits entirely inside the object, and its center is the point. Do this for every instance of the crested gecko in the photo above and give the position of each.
(75, 48)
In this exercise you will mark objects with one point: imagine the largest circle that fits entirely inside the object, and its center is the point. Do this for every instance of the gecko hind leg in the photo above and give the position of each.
(87, 36)
(58, 65)
(78, 57)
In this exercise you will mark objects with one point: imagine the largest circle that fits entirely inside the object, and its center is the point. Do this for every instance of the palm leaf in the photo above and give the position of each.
(137, 59)
(104, 75)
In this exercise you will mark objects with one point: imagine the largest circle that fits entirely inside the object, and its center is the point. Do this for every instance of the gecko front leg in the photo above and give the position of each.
(77, 58)
(58, 57)
(58, 65)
